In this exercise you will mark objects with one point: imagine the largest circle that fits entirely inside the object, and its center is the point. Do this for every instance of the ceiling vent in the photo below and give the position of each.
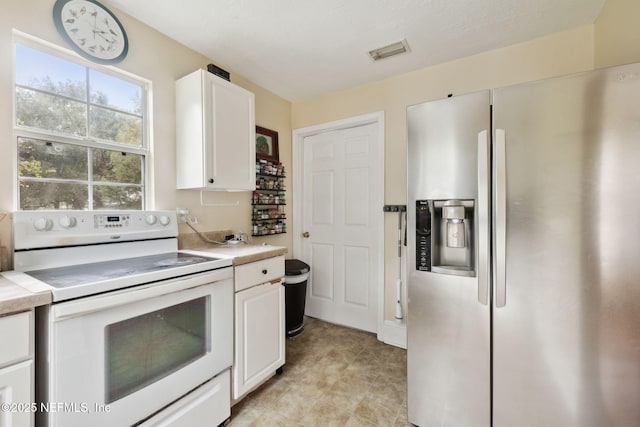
(389, 50)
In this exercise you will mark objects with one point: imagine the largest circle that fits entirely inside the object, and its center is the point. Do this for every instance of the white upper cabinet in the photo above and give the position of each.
(215, 134)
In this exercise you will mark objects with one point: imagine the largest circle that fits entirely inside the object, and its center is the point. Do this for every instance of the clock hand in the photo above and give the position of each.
(95, 23)
(100, 33)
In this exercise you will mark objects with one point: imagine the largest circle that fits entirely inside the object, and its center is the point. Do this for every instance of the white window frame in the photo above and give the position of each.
(147, 130)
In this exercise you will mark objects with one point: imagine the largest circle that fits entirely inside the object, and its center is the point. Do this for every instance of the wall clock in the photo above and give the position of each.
(91, 29)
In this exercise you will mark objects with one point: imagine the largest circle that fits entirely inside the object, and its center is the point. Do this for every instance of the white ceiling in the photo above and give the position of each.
(303, 48)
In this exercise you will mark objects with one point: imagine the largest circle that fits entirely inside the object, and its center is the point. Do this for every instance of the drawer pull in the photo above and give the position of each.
(264, 271)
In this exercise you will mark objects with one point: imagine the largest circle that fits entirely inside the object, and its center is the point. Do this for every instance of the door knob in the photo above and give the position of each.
(306, 234)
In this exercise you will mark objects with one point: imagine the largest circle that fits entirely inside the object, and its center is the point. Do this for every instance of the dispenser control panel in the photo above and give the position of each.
(423, 235)
(445, 236)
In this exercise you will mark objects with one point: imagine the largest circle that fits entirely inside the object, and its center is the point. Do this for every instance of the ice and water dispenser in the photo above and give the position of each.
(445, 236)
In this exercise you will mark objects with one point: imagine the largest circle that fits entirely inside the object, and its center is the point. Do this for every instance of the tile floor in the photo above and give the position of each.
(334, 376)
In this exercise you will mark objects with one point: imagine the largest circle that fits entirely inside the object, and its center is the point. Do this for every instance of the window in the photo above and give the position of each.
(80, 135)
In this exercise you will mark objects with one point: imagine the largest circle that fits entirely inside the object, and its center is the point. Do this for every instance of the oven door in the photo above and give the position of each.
(117, 358)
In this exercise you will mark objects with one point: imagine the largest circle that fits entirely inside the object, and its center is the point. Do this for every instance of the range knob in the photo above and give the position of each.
(150, 219)
(165, 220)
(67, 221)
(43, 224)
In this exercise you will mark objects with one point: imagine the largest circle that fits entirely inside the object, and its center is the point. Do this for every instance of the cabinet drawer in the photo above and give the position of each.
(258, 272)
(15, 331)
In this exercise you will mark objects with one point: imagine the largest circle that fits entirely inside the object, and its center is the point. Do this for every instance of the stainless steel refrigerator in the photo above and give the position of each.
(524, 268)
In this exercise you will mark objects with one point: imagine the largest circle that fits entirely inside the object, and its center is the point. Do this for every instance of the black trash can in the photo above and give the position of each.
(295, 292)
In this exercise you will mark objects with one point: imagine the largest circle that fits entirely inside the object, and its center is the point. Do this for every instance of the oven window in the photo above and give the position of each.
(147, 348)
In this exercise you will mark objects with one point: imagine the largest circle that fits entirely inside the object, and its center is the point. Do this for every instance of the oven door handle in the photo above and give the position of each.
(83, 306)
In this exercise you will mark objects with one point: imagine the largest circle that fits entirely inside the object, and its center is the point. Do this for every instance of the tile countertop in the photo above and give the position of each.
(14, 298)
(242, 253)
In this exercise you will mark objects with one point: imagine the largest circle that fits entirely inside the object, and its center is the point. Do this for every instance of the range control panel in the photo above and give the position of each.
(111, 221)
(43, 229)
(423, 235)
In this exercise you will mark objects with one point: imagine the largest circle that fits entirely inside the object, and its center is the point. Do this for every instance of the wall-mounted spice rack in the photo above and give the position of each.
(269, 199)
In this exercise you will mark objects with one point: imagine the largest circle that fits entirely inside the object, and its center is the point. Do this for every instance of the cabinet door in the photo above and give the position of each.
(16, 395)
(215, 134)
(230, 148)
(259, 336)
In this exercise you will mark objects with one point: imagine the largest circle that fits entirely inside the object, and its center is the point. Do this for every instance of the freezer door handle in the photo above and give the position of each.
(500, 217)
(483, 217)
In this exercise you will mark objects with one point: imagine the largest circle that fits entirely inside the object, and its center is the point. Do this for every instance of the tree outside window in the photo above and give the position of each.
(80, 136)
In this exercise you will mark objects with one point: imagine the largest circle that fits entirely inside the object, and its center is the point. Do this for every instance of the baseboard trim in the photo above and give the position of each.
(395, 333)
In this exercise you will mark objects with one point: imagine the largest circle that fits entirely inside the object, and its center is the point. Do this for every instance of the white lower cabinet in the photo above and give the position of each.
(16, 396)
(259, 325)
(16, 370)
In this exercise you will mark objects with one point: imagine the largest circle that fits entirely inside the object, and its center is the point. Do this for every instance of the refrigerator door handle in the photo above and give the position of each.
(483, 217)
(500, 217)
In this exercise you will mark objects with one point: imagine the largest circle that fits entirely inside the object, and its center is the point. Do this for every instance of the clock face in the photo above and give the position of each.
(91, 29)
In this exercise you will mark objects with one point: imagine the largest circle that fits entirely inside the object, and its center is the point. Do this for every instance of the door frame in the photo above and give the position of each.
(298, 136)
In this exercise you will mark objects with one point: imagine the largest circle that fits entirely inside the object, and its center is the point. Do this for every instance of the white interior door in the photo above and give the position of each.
(342, 197)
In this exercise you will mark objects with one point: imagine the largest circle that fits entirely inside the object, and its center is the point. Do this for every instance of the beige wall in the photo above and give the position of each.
(617, 33)
(161, 60)
(614, 39)
(562, 53)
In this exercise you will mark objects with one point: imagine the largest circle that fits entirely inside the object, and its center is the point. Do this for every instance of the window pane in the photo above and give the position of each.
(147, 348)
(112, 92)
(50, 112)
(115, 166)
(46, 72)
(117, 127)
(88, 111)
(43, 159)
(53, 195)
(117, 197)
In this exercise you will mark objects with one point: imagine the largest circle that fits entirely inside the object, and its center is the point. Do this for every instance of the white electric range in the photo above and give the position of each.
(138, 331)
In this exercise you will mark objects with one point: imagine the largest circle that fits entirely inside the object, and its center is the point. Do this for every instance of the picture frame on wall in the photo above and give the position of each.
(267, 144)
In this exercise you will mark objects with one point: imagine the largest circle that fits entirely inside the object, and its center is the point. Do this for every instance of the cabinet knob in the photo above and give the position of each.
(210, 180)
(264, 271)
